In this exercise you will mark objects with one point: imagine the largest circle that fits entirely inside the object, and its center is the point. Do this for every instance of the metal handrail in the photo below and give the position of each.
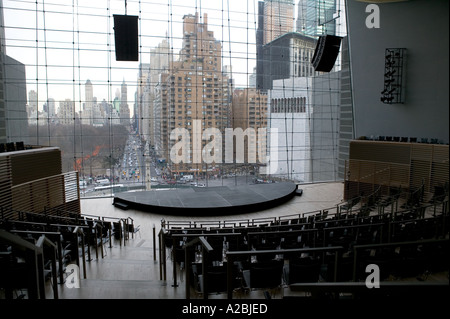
(231, 255)
(394, 244)
(43, 240)
(34, 252)
(58, 245)
(78, 231)
(206, 249)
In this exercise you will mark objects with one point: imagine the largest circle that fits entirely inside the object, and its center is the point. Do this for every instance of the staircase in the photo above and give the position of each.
(128, 271)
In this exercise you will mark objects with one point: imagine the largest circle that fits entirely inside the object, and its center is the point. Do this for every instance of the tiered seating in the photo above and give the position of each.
(73, 236)
(399, 241)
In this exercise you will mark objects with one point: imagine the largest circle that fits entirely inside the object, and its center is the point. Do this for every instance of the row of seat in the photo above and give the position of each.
(403, 243)
(74, 238)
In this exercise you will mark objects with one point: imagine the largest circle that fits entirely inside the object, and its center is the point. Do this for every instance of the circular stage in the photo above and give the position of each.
(208, 201)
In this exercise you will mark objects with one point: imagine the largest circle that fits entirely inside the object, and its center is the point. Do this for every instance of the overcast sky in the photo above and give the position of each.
(74, 45)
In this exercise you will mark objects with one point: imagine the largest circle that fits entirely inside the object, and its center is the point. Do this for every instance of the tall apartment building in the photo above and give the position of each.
(275, 18)
(50, 107)
(159, 63)
(193, 95)
(32, 106)
(278, 18)
(66, 112)
(160, 107)
(285, 57)
(13, 110)
(87, 113)
(124, 107)
(141, 110)
(318, 17)
(249, 111)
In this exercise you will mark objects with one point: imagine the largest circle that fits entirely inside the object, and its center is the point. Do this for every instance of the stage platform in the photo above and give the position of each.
(208, 201)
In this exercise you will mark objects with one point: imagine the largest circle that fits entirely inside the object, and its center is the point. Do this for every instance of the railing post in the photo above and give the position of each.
(101, 239)
(154, 243)
(60, 259)
(205, 272)
(54, 274)
(174, 254)
(33, 282)
(77, 249)
(96, 240)
(336, 258)
(40, 274)
(187, 261)
(160, 241)
(230, 261)
(83, 254)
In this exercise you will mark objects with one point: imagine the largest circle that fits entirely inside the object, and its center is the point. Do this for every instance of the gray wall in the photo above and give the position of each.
(422, 27)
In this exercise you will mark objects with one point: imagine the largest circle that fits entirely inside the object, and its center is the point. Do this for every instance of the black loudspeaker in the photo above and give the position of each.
(327, 50)
(126, 37)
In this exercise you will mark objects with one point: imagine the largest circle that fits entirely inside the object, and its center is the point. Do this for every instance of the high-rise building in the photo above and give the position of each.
(32, 106)
(124, 108)
(148, 79)
(13, 108)
(249, 111)
(141, 106)
(285, 57)
(51, 107)
(278, 19)
(66, 112)
(87, 113)
(290, 112)
(305, 113)
(317, 17)
(193, 94)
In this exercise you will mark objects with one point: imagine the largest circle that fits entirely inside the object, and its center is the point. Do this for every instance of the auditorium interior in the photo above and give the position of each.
(380, 231)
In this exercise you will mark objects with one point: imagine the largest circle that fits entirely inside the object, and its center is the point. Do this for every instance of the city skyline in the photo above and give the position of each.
(76, 43)
(83, 100)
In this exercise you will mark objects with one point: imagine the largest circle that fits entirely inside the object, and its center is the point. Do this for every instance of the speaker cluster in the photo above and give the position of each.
(326, 52)
(126, 37)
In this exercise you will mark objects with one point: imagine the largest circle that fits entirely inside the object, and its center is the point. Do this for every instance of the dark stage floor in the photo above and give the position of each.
(199, 201)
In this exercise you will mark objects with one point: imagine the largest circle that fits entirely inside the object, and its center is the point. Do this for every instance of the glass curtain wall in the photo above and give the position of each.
(221, 93)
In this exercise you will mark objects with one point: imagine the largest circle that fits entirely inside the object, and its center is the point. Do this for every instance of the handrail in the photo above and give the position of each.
(17, 241)
(174, 236)
(43, 240)
(58, 244)
(281, 232)
(232, 222)
(34, 261)
(162, 255)
(132, 226)
(206, 249)
(78, 231)
(232, 254)
(392, 244)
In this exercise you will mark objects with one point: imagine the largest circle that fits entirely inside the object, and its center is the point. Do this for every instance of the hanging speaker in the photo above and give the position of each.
(126, 37)
(327, 50)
